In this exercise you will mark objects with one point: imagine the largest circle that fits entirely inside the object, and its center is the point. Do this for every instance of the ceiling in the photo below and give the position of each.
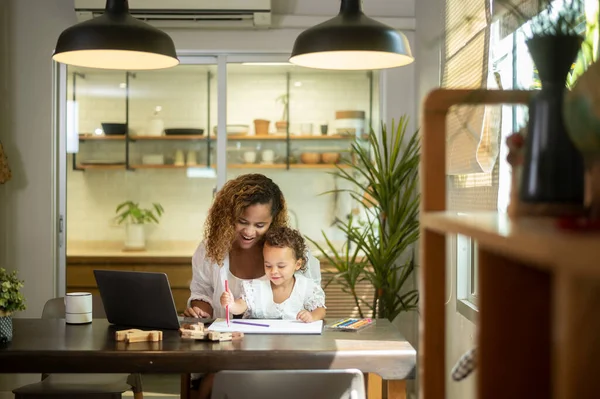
(375, 8)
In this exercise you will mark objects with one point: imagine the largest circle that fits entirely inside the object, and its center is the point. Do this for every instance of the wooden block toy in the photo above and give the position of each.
(122, 335)
(214, 335)
(135, 335)
(198, 332)
(191, 334)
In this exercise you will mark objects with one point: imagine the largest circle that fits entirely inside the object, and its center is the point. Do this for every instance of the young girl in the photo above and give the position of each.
(281, 293)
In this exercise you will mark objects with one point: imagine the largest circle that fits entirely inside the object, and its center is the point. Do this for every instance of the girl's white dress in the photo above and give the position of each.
(258, 295)
(208, 281)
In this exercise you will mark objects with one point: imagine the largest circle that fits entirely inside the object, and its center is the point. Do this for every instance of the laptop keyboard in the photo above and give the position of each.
(194, 320)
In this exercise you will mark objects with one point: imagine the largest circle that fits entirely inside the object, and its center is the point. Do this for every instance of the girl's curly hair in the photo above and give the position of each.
(230, 202)
(285, 237)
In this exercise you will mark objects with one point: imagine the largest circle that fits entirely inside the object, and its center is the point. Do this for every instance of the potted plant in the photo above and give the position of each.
(384, 181)
(282, 124)
(129, 212)
(11, 300)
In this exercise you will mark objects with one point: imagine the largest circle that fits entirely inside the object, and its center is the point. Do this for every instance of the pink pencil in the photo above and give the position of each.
(227, 307)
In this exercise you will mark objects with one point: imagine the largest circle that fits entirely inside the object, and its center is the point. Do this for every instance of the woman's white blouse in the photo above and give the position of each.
(208, 280)
(258, 295)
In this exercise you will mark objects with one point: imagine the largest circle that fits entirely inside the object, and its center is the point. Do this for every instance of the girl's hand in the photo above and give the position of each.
(305, 316)
(227, 298)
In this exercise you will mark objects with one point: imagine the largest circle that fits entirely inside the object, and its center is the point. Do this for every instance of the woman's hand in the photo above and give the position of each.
(195, 311)
(227, 299)
(305, 316)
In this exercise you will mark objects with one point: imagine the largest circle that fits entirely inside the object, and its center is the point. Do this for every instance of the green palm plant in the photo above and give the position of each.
(384, 181)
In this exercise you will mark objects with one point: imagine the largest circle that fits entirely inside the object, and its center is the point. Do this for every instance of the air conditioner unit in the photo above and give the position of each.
(220, 14)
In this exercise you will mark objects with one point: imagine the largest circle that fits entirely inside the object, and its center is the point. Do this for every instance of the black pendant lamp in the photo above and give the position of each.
(116, 40)
(351, 41)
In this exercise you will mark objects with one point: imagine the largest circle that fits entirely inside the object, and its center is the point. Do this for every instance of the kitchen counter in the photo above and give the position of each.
(180, 251)
(114, 249)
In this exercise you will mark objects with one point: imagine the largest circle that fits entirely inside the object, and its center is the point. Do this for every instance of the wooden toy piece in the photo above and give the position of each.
(135, 335)
(237, 335)
(192, 334)
(144, 336)
(214, 335)
(197, 327)
(122, 335)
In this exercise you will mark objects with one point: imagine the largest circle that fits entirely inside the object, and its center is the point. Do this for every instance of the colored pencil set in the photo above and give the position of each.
(350, 324)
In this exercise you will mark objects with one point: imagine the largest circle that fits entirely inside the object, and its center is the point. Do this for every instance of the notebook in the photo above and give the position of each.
(267, 326)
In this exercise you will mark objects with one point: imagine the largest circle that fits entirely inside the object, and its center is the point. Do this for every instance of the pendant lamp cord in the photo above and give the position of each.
(117, 6)
(350, 7)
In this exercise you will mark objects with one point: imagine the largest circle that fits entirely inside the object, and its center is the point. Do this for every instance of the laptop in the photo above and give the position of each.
(140, 299)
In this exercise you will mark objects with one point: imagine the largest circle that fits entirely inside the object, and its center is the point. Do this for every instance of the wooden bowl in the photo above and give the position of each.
(310, 157)
(330, 157)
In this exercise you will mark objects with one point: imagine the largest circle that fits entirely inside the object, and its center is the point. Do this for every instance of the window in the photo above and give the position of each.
(466, 277)
(511, 65)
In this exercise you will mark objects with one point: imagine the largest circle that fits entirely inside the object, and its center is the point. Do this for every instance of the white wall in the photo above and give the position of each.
(27, 231)
(460, 332)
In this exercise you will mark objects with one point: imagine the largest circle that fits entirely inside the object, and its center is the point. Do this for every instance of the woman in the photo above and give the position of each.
(243, 211)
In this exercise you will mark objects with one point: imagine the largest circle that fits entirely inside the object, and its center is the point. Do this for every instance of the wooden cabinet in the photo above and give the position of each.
(80, 273)
(80, 277)
(539, 286)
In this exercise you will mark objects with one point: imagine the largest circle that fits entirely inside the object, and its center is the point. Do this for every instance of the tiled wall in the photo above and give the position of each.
(183, 96)
(92, 197)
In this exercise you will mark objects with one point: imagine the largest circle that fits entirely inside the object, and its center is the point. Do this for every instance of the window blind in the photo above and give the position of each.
(473, 132)
(507, 11)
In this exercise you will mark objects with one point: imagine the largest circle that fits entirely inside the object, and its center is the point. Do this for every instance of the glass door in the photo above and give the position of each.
(139, 180)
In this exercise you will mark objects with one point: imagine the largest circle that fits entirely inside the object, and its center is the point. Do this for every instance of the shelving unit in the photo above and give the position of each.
(99, 167)
(133, 142)
(102, 138)
(168, 138)
(539, 286)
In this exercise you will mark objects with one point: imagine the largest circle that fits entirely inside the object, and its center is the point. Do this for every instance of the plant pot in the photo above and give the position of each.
(281, 127)
(6, 328)
(261, 127)
(136, 238)
(553, 172)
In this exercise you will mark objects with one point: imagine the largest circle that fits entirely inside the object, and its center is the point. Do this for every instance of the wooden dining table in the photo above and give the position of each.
(52, 346)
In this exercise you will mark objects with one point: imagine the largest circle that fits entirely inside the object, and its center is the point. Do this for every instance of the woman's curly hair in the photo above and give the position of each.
(285, 237)
(230, 202)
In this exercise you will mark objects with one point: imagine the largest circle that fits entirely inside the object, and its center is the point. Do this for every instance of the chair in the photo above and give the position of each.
(86, 386)
(291, 384)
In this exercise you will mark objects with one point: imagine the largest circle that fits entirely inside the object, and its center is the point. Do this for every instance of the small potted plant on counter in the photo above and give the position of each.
(129, 212)
(11, 300)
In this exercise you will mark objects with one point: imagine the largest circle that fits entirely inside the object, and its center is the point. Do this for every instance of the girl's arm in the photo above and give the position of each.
(308, 316)
(236, 306)
(314, 303)
(318, 314)
(239, 306)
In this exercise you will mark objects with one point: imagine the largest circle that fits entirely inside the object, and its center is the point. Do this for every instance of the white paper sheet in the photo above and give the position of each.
(274, 326)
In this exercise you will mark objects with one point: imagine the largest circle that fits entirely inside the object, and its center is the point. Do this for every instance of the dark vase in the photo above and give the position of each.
(553, 171)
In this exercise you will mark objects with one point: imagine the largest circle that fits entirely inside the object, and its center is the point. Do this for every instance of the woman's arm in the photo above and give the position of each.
(202, 290)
